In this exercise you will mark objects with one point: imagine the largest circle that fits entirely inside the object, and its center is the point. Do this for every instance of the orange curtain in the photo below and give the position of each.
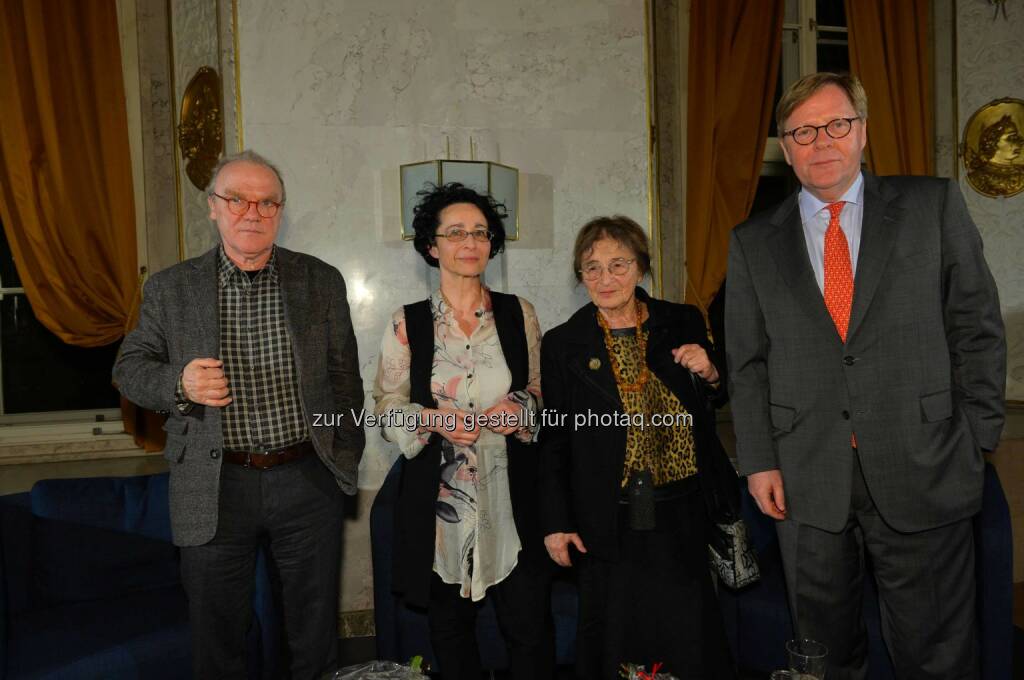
(65, 175)
(889, 52)
(65, 170)
(733, 68)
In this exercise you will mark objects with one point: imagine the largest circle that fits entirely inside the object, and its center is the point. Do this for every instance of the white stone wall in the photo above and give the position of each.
(341, 94)
(194, 35)
(990, 65)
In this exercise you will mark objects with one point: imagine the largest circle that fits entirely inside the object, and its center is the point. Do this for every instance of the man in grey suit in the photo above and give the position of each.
(867, 365)
(242, 347)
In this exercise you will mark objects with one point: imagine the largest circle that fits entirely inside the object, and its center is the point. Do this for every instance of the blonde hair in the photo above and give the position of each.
(804, 89)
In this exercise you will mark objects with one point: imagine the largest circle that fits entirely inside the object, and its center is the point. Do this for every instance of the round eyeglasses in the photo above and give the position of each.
(836, 129)
(592, 271)
(460, 235)
(239, 206)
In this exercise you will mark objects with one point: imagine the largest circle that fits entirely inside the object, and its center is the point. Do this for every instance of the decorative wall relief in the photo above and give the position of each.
(201, 130)
(993, 148)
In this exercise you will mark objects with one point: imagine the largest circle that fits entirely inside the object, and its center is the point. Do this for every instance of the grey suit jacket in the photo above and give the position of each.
(179, 321)
(920, 379)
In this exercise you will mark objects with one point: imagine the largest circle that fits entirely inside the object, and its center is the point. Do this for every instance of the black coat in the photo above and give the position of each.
(581, 469)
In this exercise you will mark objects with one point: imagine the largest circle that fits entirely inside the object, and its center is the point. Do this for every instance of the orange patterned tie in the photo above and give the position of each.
(838, 271)
(838, 277)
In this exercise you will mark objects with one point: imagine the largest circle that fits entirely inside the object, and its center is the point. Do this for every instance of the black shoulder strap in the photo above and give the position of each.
(508, 318)
(419, 328)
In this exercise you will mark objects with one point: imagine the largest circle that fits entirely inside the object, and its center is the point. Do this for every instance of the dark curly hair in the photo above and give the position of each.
(427, 215)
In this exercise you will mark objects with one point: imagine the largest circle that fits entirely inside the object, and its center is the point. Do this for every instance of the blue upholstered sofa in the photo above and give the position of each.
(757, 618)
(90, 587)
(758, 621)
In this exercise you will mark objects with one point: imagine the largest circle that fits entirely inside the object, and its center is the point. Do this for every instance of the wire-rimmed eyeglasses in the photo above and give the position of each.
(592, 271)
(836, 129)
(460, 235)
(239, 206)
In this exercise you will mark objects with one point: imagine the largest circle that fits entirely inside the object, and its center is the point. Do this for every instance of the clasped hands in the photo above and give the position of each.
(460, 427)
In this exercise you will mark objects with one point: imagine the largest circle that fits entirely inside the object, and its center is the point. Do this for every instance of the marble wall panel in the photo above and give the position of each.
(990, 65)
(341, 94)
(194, 34)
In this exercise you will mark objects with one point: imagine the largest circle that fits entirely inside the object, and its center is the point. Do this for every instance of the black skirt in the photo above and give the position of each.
(656, 603)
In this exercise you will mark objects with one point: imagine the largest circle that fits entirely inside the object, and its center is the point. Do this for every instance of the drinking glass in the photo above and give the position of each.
(807, 658)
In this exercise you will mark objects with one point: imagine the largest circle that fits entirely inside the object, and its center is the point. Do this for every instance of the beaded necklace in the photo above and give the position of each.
(641, 340)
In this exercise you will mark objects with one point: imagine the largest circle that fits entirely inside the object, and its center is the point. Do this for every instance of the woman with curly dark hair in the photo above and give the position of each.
(457, 386)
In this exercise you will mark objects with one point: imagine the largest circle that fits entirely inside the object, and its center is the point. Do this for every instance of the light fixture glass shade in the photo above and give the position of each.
(500, 181)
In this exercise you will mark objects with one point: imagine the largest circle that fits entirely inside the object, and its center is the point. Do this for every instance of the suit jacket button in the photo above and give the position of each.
(846, 415)
(849, 361)
(215, 453)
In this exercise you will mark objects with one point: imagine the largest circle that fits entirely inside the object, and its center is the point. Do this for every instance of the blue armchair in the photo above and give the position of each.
(758, 620)
(90, 587)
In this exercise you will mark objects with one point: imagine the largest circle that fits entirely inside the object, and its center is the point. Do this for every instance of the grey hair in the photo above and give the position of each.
(248, 156)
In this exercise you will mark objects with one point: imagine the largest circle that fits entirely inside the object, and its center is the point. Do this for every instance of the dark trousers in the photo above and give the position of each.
(656, 602)
(926, 587)
(296, 510)
(523, 606)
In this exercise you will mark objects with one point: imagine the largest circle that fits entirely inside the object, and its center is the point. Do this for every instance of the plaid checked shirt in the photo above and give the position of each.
(265, 412)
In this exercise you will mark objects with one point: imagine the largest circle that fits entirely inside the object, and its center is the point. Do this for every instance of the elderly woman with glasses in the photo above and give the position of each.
(620, 493)
(457, 388)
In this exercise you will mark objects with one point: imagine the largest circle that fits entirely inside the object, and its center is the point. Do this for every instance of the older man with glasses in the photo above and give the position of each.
(241, 348)
(867, 366)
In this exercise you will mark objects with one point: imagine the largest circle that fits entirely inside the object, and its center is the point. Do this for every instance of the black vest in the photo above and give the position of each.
(415, 520)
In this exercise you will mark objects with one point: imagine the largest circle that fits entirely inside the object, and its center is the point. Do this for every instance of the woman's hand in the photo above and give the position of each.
(505, 417)
(557, 546)
(451, 423)
(694, 358)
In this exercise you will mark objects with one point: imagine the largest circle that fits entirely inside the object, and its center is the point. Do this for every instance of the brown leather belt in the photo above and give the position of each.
(264, 460)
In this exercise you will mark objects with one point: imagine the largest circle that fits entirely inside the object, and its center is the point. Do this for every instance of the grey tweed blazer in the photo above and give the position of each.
(179, 321)
(920, 379)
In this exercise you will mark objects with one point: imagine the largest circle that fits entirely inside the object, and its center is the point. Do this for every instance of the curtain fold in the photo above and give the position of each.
(733, 69)
(889, 52)
(65, 169)
(66, 194)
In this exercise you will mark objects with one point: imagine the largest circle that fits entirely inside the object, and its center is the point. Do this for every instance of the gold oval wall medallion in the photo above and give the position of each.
(993, 148)
(201, 126)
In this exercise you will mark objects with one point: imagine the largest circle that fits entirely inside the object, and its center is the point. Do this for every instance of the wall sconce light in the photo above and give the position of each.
(500, 181)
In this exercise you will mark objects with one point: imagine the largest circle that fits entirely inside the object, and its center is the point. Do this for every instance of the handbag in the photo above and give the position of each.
(729, 551)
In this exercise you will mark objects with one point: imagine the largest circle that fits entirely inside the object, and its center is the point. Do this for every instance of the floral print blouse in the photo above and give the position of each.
(476, 543)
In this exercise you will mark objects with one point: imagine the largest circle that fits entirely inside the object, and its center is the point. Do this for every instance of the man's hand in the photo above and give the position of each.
(557, 546)
(204, 382)
(450, 423)
(694, 358)
(766, 488)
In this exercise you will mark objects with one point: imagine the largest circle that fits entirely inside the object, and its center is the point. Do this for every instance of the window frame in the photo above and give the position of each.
(805, 31)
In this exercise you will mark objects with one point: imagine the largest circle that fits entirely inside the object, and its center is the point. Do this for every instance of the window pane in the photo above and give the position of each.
(777, 181)
(8, 273)
(42, 373)
(39, 371)
(833, 54)
(830, 12)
